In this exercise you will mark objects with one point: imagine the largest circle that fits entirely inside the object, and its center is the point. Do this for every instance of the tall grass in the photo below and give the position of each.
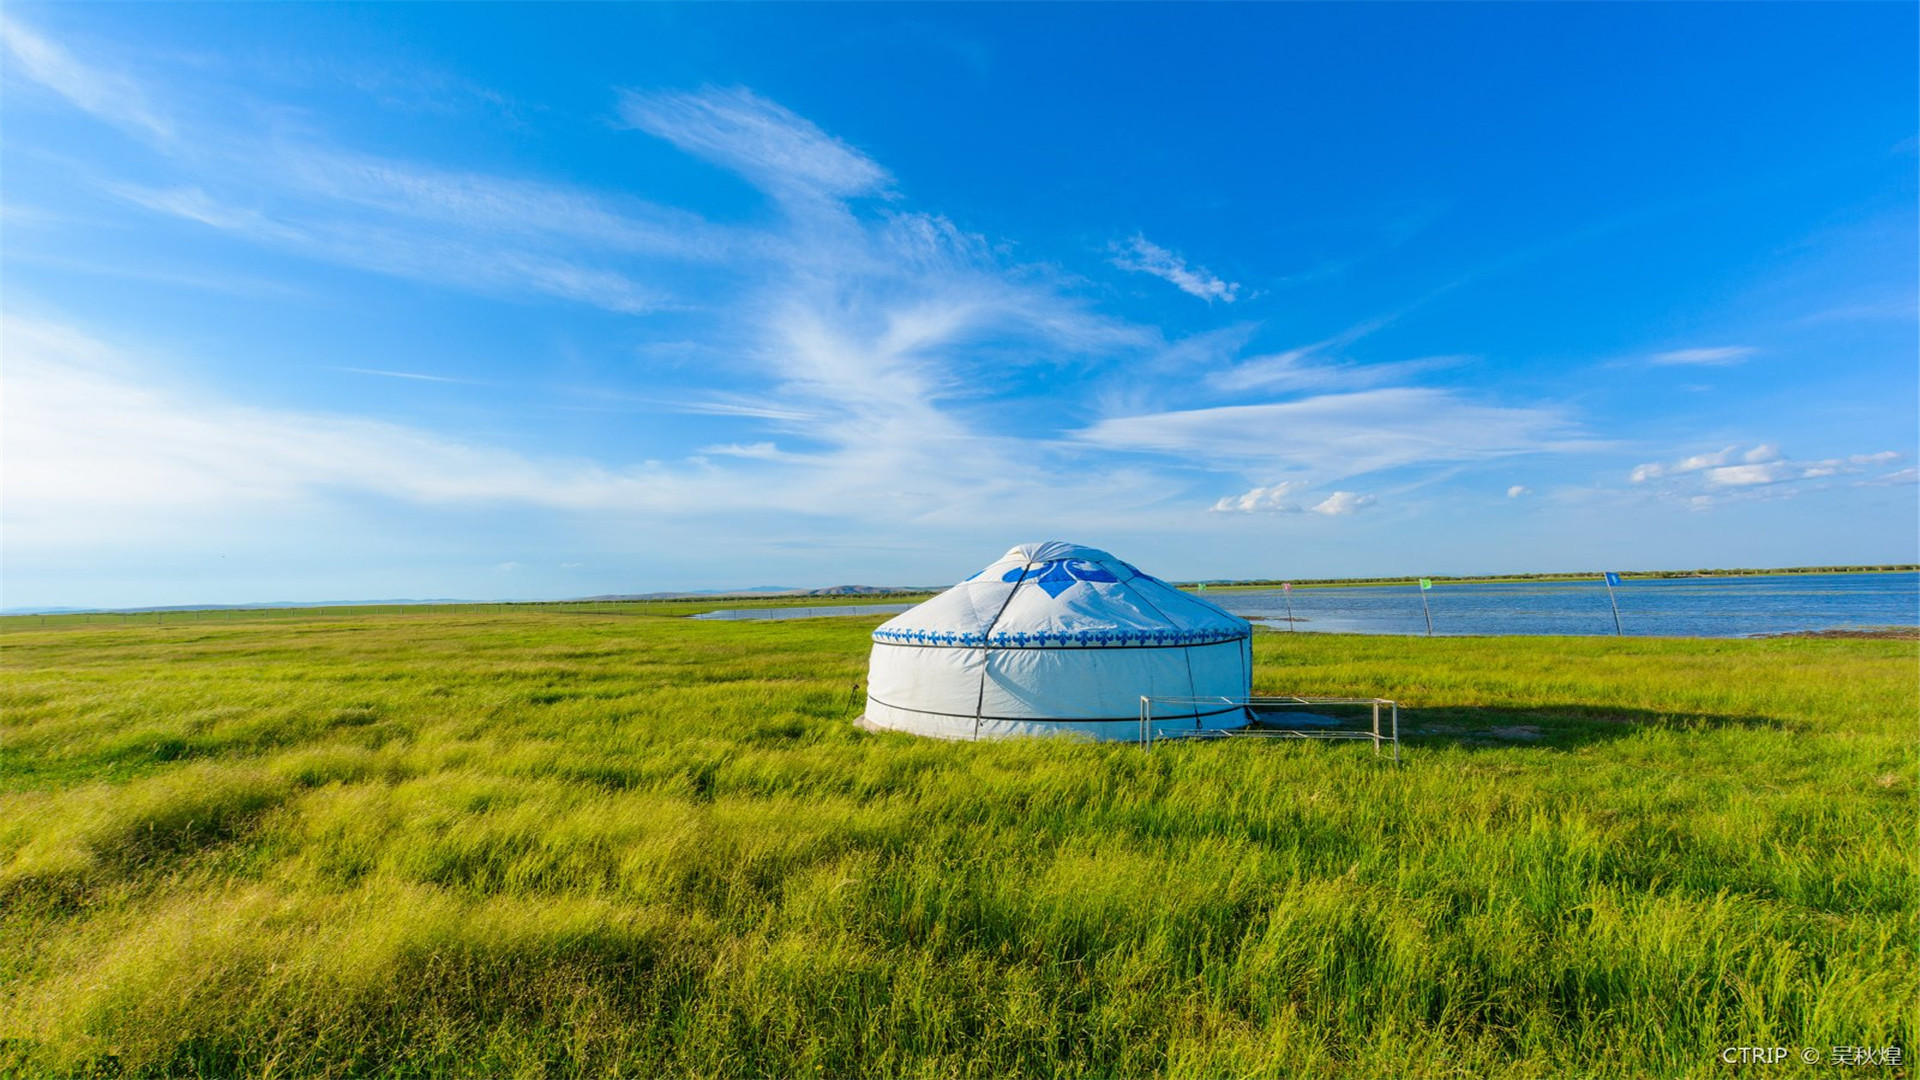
(548, 843)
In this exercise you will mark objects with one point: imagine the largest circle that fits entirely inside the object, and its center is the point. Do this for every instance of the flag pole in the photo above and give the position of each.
(1610, 577)
(1425, 584)
(1286, 589)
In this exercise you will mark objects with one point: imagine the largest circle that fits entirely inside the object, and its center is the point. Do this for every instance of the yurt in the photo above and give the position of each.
(1055, 638)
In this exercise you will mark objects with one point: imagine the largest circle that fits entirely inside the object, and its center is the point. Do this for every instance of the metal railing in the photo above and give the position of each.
(1259, 727)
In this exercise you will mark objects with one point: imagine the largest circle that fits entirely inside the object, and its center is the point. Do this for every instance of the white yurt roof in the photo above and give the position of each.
(1061, 595)
(1056, 637)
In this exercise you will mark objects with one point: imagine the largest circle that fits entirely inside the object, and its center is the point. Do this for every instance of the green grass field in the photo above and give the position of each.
(545, 842)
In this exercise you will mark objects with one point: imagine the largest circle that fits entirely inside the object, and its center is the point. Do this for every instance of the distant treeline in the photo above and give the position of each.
(1581, 575)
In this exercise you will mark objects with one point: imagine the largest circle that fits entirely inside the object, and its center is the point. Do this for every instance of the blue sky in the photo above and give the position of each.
(547, 301)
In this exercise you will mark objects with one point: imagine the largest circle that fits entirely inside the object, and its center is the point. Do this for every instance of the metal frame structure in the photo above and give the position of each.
(1253, 704)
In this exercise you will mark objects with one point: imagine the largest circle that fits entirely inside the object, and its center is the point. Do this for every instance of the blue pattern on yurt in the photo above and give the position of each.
(1060, 575)
(1058, 639)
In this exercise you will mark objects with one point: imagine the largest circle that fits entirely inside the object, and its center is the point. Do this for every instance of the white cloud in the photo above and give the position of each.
(1717, 356)
(1343, 502)
(1146, 257)
(760, 451)
(1271, 498)
(1279, 498)
(1655, 470)
(1760, 466)
(1771, 472)
(782, 153)
(109, 96)
(1708, 461)
(1518, 490)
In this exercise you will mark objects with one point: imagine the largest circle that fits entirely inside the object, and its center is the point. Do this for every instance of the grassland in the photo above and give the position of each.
(578, 843)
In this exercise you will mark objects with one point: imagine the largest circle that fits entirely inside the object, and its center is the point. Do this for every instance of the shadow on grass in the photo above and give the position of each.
(1561, 727)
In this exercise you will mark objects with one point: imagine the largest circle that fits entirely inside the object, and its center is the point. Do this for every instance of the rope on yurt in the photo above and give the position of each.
(986, 649)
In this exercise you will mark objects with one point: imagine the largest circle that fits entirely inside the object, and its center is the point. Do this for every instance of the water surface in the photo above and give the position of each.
(1666, 607)
(1674, 607)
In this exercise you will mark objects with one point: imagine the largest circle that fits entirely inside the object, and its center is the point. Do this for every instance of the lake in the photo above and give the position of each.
(1668, 607)
(1653, 607)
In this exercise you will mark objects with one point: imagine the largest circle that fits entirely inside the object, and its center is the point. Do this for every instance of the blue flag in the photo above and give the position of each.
(1612, 578)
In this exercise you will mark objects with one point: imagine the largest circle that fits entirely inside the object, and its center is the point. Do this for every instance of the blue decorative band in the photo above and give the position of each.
(1057, 639)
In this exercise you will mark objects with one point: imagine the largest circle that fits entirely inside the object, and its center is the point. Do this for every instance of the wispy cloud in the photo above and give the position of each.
(866, 349)
(156, 272)
(108, 96)
(85, 432)
(495, 235)
(1335, 435)
(401, 375)
(1716, 356)
(779, 151)
(1518, 490)
(1302, 369)
(1144, 256)
(1317, 366)
(399, 246)
(500, 206)
(1901, 309)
